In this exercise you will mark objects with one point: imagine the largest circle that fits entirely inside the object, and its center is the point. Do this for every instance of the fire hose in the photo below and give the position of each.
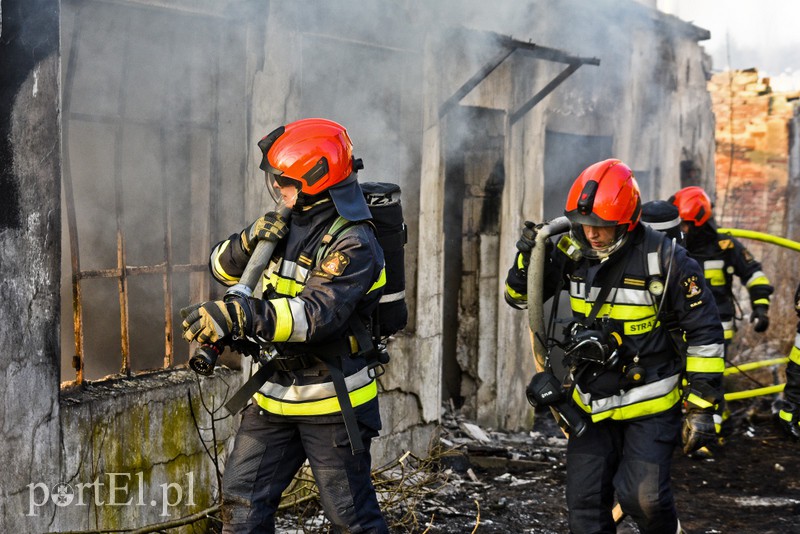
(761, 236)
(536, 315)
(205, 357)
(777, 388)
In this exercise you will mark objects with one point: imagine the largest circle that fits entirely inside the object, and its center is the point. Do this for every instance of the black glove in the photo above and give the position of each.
(545, 389)
(212, 321)
(760, 318)
(789, 420)
(270, 227)
(527, 240)
(797, 301)
(698, 430)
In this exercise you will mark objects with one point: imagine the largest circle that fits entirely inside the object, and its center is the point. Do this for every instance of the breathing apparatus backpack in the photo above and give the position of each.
(383, 200)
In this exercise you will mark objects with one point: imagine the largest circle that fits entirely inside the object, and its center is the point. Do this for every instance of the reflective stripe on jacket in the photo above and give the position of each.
(310, 300)
(630, 308)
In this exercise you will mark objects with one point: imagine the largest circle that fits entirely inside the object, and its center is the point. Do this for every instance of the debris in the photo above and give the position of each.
(472, 476)
(475, 432)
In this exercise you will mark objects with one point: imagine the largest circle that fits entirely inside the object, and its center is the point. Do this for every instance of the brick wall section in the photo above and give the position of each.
(752, 155)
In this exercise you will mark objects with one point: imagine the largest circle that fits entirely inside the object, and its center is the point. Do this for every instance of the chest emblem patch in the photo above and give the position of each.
(692, 287)
(335, 263)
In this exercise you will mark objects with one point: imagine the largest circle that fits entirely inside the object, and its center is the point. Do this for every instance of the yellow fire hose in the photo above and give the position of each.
(754, 365)
(749, 393)
(761, 236)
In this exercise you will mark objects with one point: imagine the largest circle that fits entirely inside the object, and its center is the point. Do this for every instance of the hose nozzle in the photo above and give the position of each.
(205, 359)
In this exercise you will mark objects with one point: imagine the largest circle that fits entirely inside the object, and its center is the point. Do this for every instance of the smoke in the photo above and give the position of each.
(163, 107)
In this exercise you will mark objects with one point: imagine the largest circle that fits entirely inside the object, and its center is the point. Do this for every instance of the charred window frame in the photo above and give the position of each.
(153, 125)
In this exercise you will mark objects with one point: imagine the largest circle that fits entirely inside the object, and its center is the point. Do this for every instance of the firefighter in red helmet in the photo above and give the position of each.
(627, 384)
(319, 399)
(721, 257)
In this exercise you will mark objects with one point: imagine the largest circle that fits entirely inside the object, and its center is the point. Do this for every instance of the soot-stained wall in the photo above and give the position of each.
(29, 251)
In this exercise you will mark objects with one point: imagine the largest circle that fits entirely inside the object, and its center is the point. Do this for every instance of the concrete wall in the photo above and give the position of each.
(29, 253)
(142, 451)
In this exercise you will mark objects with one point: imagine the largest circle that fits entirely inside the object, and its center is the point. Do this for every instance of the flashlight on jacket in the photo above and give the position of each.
(545, 390)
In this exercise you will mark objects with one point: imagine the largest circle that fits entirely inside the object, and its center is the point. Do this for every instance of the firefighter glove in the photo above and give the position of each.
(270, 227)
(215, 320)
(698, 430)
(527, 240)
(760, 318)
(789, 420)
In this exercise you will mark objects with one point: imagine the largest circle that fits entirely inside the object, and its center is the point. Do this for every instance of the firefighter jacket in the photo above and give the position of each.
(307, 304)
(647, 274)
(721, 257)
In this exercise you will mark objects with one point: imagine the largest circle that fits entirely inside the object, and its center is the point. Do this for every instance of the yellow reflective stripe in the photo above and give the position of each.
(728, 334)
(794, 356)
(380, 283)
(698, 401)
(786, 416)
(283, 319)
(765, 302)
(715, 277)
(620, 312)
(285, 286)
(760, 280)
(330, 405)
(631, 411)
(520, 262)
(641, 327)
(514, 295)
(696, 364)
(218, 268)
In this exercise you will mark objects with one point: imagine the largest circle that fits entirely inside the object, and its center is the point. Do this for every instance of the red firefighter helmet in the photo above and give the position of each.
(316, 155)
(604, 194)
(693, 205)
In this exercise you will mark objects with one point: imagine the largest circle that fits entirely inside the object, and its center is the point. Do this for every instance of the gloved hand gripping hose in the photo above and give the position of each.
(536, 289)
(205, 357)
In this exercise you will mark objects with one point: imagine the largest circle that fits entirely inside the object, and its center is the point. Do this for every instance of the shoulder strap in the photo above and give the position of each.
(337, 229)
(614, 274)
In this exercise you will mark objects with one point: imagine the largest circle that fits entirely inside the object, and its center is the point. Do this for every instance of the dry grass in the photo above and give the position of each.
(402, 486)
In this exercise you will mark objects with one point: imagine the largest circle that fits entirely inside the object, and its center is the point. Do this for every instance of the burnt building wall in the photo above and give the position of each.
(30, 162)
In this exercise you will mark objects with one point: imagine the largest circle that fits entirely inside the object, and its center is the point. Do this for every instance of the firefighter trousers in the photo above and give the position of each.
(267, 454)
(627, 459)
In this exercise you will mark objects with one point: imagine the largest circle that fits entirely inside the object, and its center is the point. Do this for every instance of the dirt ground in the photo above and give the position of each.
(750, 485)
(514, 483)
